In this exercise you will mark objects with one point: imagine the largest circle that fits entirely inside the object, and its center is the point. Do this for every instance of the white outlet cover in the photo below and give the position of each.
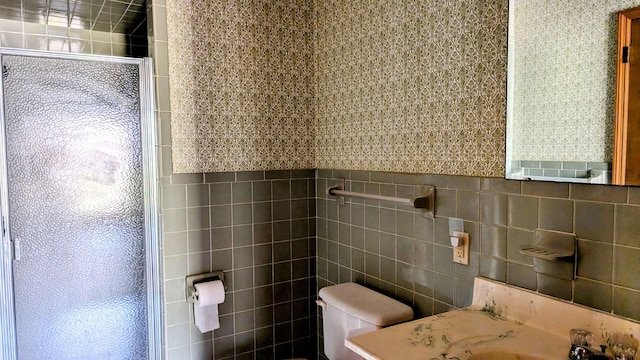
(461, 253)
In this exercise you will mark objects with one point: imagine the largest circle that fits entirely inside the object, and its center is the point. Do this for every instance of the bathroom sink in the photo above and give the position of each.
(502, 355)
(502, 323)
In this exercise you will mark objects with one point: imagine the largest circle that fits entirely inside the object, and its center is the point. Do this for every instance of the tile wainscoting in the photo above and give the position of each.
(258, 227)
(394, 249)
(279, 239)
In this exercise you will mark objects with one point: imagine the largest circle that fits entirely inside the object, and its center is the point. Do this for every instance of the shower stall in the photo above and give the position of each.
(80, 265)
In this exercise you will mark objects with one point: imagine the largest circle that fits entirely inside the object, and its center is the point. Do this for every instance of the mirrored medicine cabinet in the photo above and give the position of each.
(571, 113)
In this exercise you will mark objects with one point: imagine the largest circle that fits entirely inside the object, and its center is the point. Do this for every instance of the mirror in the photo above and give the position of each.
(561, 83)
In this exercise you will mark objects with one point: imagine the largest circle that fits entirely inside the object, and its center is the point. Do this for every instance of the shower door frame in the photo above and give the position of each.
(8, 338)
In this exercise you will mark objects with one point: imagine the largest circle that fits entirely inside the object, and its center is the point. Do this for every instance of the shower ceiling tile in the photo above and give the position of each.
(9, 12)
(120, 16)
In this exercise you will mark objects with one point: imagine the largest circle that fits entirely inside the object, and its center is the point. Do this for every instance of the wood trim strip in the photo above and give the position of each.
(622, 98)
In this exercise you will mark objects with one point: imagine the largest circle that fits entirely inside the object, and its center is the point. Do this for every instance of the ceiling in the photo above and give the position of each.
(119, 16)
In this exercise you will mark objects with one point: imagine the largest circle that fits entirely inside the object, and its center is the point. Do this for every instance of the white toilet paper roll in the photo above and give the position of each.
(205, 309)
(209, 293)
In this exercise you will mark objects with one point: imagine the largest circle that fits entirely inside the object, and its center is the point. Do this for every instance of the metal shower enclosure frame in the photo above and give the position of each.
(8, 337)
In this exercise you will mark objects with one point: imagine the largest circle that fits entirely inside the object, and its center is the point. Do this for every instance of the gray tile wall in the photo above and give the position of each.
(180, 339)
(259, 228)
(24, 35)
(397, 251)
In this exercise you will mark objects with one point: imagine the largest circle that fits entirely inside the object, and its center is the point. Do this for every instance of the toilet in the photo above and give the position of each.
(350, 309)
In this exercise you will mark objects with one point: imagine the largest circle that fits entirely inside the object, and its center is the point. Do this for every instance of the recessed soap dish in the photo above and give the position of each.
(546, 253)
(553, 253)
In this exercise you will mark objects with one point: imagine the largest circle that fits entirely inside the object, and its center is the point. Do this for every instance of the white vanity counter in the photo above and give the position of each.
(458, 335)
(502, 318)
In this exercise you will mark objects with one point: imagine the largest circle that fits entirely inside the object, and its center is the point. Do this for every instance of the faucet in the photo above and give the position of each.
(581, 347)
(581, 352)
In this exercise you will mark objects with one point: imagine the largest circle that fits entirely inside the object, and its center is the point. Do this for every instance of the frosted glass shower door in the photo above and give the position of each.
(76, 205)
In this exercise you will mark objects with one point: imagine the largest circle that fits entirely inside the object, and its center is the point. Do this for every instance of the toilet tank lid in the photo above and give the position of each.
(366, 304)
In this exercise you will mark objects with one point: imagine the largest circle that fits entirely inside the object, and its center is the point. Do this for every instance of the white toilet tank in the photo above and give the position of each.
(350, 309)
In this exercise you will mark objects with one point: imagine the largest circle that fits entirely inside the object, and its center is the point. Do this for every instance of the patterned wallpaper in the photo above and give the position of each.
(241, 84)
(564, 79)
(407, 86)
(411, 86)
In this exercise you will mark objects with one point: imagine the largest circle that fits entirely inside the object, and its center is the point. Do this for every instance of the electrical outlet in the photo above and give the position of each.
(461, 253)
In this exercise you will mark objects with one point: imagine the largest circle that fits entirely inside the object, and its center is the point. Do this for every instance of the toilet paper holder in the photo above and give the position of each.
(192, 280)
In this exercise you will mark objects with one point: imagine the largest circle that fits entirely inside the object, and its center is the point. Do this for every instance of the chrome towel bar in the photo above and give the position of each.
(425, 202)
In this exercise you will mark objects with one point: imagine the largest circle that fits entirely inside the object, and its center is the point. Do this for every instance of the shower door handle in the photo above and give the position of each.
(17, 249)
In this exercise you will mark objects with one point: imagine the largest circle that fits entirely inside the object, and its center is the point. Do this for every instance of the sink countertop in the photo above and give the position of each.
(458, 334)
(501, 318)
